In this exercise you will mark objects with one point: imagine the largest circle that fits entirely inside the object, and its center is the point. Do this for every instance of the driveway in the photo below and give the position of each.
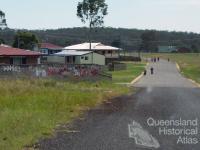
(163, 114)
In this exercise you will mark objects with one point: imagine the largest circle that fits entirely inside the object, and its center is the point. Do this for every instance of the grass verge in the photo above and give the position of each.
(31, 109)
(126, 76)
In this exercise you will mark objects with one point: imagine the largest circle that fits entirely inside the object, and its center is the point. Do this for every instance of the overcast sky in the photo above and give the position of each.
(179, 15)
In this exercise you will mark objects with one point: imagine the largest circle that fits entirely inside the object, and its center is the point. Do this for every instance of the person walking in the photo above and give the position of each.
(145, 72)
(152, 70)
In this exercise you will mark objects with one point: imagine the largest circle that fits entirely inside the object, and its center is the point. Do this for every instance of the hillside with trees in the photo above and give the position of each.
(129, 39)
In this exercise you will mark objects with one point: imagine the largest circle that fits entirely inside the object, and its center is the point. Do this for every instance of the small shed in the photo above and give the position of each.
(77, 57)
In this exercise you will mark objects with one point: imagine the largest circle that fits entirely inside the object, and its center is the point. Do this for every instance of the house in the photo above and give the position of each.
(48, 48)
(15, 56)
(108, 51)
(167, 49)
(77, 57)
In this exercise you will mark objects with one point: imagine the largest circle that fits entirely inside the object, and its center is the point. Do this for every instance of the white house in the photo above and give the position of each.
(77, 57)
(108, 51)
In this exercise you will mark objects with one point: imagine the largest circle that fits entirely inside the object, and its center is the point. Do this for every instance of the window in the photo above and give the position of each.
(82, 57)
(74, 59)
(86, 57)
(11, 61)
(24, 61)
(68, 61)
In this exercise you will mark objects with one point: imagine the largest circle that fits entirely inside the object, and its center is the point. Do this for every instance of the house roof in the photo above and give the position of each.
(50, 46)
(72, 53)
(9, 51)
(94, 46)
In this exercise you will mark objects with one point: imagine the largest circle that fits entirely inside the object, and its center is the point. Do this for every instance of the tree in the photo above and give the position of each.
(2, 20)
(1, 41)
(25, 40)
(194, 48)
(92, 12)
(116, 43)
(148, 41)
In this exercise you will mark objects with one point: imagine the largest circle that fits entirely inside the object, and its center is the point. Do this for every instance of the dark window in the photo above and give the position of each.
(24, 61)
(74, 59)
(86, 57)
(11, 61)
(68, 60)
(82, 57)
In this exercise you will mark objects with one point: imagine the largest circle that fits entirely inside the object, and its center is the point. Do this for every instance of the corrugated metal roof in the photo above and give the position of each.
(9, 51)
(72, 53)
(94, 46)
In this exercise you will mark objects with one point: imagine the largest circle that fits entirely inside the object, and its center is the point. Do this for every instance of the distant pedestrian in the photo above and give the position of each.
(145, 72)
(158, 58)
(154, 59)
(152, 70)
(168, 60)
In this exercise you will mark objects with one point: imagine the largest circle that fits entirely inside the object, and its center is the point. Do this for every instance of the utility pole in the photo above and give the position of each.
(90, 36)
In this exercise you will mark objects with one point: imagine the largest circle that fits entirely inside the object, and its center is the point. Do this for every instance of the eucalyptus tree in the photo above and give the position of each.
(93, 13)
(3, 23)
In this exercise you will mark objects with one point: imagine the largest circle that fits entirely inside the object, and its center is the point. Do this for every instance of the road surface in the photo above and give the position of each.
(165, 101)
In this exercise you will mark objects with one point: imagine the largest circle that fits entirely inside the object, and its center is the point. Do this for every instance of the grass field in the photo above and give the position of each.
(189, 63)
(126, 76)
(31, 109)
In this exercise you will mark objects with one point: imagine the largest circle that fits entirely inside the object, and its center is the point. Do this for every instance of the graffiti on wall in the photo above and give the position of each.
(50, 71)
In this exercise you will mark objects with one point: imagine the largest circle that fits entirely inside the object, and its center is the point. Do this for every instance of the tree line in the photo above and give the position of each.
(128, 39)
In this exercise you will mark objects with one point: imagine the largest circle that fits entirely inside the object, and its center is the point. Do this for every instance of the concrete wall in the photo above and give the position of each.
(56, 59)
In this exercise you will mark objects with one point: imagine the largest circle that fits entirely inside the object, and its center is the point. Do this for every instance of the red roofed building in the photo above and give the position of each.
(15, 56)
(48, 48)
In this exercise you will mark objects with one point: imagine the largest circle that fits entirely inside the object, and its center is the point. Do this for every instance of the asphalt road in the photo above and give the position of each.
(126, 123)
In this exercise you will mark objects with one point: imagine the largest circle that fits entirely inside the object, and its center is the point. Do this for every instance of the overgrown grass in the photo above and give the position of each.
(31, 109)
(126, 76)
(189, 63)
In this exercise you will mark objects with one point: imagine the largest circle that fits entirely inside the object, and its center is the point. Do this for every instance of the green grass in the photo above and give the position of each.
(31, 109)
(189, 63)
(126, 76)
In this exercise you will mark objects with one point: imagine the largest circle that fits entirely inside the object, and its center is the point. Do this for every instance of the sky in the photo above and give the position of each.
(172, 15)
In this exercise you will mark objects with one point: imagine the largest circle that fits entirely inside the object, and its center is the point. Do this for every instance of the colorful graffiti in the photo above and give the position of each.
(53, 70)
